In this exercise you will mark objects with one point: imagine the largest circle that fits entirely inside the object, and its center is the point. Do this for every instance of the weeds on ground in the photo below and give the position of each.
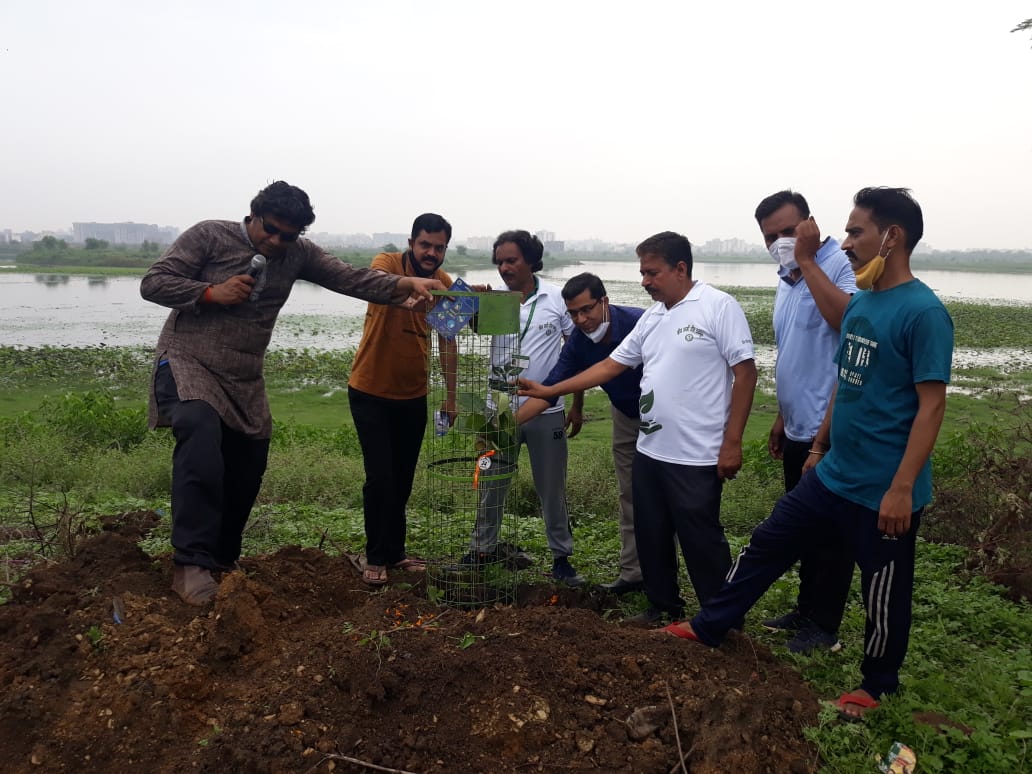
(983, 499)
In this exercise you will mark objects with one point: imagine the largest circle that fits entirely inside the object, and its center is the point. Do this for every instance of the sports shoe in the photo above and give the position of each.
(563, 572)
(813, 638)
(194, 584)
(621, 586)
(790, 622)
(513, 557)
(649, 618)
(473, 559)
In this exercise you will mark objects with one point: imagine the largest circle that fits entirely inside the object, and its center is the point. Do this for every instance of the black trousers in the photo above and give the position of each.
(216, 475)
(802, 520)
(391, 434)
(825, 571)
(683, 501)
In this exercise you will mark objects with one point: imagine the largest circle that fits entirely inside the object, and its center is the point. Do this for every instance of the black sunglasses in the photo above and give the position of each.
(286, 236)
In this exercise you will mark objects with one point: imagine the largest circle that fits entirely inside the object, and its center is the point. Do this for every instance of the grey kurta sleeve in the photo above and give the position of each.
(334, 274)
(174, 280)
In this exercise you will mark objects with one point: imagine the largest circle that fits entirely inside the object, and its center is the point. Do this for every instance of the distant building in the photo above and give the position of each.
(545, 236)
(553, 246)
(383, 238)
(341, 240)
(358, 240)
(481, 244)
(124, 233)
(6, 237)
(731, 247)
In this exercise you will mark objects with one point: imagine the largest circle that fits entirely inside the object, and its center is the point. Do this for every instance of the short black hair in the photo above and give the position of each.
(775, 202)
(893, 207)
(670, 246)
(431, 223)
(287, 202)
(530, 247)
(578, 284)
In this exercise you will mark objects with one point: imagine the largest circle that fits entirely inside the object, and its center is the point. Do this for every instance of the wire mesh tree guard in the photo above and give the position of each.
(473, 557)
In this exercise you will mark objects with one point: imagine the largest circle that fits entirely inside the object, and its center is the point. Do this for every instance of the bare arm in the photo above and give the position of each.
(831, 300)
(821, 441)
(776, 439)
(575, 416)
(410, 291)
(449, 366)
(530, 408)
(897, 503)
(729, 459)
(600, 373)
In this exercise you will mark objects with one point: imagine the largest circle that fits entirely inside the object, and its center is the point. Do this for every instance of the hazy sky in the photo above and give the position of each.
(591, 119)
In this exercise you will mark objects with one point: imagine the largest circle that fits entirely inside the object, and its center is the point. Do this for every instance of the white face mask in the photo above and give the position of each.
(783, 251)
(599, 333)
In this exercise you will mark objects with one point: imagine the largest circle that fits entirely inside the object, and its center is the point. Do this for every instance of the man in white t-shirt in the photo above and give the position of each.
(544, 325)
(696, 392)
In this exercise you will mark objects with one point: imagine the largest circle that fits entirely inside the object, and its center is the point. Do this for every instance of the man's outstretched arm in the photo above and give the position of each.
(600, 373)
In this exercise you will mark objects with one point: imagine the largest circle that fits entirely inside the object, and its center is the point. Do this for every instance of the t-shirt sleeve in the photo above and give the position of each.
(385, 262)
(628, 351)
(734, 336)
(931, 346)
(565, 367)
(565, 321)
(845, 278)
(845, 316)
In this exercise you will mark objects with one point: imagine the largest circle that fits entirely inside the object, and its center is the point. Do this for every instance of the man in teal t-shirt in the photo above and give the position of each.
(871, 479)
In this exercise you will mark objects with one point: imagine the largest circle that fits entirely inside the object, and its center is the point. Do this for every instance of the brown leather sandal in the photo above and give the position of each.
(374, 575)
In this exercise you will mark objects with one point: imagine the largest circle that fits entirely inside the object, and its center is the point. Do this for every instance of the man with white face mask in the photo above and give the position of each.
(816, 282)
(600, 327)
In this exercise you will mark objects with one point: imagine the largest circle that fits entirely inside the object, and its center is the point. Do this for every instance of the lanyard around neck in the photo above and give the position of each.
(530, 316)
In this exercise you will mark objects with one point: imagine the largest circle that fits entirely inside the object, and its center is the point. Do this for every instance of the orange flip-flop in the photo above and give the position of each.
(854, 699)
(677, 631)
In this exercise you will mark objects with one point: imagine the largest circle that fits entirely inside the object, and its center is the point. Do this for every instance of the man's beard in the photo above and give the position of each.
(418, 268)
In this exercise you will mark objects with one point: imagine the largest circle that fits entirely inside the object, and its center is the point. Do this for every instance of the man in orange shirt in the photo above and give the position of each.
(387, 394)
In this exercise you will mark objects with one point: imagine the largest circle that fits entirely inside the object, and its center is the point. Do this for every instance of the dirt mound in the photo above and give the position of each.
(298, 666)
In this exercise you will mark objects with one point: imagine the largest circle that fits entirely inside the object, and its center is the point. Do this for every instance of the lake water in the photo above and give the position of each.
(76, 311)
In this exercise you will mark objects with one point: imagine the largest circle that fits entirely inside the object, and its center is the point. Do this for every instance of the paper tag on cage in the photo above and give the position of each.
(451, 314)
(484, 463)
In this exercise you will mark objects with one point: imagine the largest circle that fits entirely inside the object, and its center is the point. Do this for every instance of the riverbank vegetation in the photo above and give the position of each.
(57, 255)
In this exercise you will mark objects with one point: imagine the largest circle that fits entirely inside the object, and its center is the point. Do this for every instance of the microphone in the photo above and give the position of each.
(257, 266)
(257, 270)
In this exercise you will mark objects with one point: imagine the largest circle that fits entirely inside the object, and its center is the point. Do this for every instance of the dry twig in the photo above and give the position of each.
(677, 735)
(358, 762)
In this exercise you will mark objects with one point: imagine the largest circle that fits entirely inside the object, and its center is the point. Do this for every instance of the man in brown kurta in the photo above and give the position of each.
(226, 282)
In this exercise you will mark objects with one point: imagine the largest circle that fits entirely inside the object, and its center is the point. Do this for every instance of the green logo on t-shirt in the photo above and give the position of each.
(648, 426)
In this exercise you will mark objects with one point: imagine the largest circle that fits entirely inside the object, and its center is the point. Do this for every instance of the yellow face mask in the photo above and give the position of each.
(873, 269)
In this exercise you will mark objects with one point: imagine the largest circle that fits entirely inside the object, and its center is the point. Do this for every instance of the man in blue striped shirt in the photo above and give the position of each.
(815, 284)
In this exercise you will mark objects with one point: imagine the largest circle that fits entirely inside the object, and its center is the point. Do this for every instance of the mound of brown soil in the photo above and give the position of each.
(298, 666)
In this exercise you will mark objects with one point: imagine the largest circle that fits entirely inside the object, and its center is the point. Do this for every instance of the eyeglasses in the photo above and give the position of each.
(286, 236)
(574, 313)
